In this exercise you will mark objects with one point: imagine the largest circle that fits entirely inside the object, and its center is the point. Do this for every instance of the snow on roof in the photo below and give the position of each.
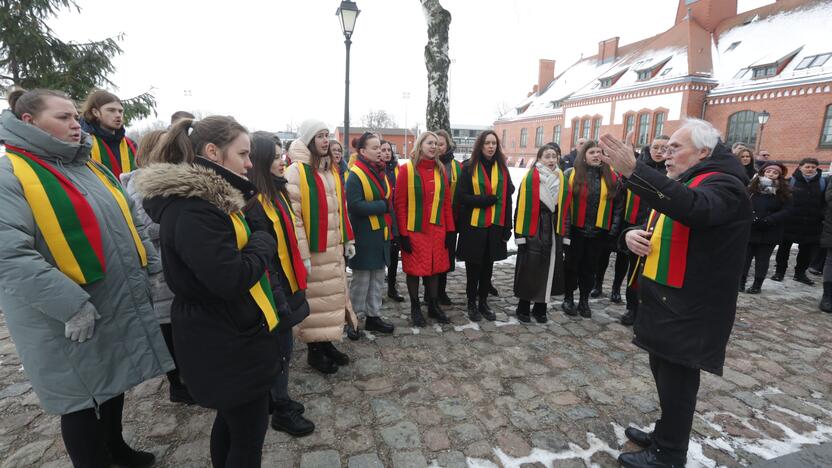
(676, 66)
(768, 40)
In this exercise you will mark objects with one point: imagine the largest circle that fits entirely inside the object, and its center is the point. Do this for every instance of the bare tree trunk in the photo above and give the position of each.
(437, 63)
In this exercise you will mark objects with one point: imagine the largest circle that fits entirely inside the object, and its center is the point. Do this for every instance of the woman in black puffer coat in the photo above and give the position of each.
(770, 202)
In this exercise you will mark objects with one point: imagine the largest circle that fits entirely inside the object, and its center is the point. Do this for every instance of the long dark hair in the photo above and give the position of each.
(262, 156)
(96, 100)
(476, 153)
(784, 192)
(178, 145)
(315, 157)
(548, 146)
(581, 168)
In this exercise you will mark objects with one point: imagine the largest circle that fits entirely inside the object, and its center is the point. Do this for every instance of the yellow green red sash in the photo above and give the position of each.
(373, 190)
(69, 226)
(528, 204)
(261, 292)
(631, 208)
(125, 161)
(345, 225)
(667, 261)
(456, 169)
(313, 207)
(493, 184)
(280, 214)
(577, 211)
(416, 193)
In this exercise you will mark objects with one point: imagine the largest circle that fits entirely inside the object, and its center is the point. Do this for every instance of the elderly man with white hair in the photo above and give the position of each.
(691, 259)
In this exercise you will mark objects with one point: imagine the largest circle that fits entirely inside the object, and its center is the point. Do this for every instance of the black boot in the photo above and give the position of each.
(522, 312)
(568, 305)
(755, 287)
(416, 317)
(485, 311)
(436, 313)
(802, 278)
(778, 276)
(393, 294)
(377, 324)
(639, 437)
(493, 291)
(473, 311)
(123, 455)
(743, 280)
(354, 334)
(443, 293)
(629, 318)
(826, 300)
(650, 457)
(597, 290)
(583, 308)
(291, 422)
(337, 356)
(320, 361)
(539, 312)
(615, 296)
(444, 299)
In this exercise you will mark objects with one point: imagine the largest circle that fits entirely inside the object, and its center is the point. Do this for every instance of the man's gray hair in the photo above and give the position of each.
(702, 133)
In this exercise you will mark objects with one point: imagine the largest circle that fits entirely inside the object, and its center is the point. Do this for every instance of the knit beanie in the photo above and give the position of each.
(308, 129)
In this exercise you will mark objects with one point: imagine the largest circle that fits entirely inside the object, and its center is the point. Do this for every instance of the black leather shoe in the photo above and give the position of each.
(814, 271)
(354, 334)
(539, 313)
(583, 308)
(802, 278)
(416, 317)
(755, 288)
(568, 307)
(629, 318)
(320, 361)
(296, 406)
(777, 277)
(638, 437)
(596, 292)
(615, 296)
(524, 317)
(493, 291)
(435, 312)
(648, 458)
(393, 294)
(337, 356)
(377, 324)
(122, 455)
(485, 311)
(292, 423)
(474, 312)
(444, 299)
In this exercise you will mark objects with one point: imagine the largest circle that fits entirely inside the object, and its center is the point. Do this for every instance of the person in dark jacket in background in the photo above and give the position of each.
(272, 212)
(770, 204)
(804, 223)
(689, 300)
(391, 170)
(453, 169)
(568, 161)
(826, 243)
(225, 312)
(635, 213)
(102, 116)
(590, 211)
(484, 195)
(746, 158)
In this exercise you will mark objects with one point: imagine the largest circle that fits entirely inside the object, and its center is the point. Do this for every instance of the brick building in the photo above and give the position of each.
(713, 63)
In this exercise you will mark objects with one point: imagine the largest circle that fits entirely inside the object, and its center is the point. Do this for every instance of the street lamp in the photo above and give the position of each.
(347, 13)
(762, 119)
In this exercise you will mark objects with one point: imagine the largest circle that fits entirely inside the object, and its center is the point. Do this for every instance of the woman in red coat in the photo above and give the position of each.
(426, 225)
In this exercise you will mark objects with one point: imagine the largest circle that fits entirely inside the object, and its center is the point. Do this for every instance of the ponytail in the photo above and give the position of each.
(31, 102)
(175, 146)
(186, 139)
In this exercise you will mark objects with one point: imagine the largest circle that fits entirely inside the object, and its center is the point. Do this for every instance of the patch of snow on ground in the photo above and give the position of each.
(547, 458)
(469, 325)
(511, 321)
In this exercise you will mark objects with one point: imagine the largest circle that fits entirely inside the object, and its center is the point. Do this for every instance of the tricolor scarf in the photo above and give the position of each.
(631, 208)
(493, 184)
(125, 161)
(375, 189)
(667, 261)
(66, 219)
(261, 292)
(456, 169)
(528, 203)
(416, 193)
(280, 214)
(314, 209)
(577, 211)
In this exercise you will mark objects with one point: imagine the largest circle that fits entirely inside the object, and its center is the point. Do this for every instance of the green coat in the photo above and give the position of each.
(372, 252)
(37, 299)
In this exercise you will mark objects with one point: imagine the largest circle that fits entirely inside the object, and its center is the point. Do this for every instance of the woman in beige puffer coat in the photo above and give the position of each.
(329, 303)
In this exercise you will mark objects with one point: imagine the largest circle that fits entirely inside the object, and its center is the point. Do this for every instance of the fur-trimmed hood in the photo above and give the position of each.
(158, 184)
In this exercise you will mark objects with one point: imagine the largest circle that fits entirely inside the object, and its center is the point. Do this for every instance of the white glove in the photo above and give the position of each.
(81, 326)
(308, 265)
(519, 240)
(566, 241)
(350, 250)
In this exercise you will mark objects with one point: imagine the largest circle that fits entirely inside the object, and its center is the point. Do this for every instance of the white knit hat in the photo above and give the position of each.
(309, 128)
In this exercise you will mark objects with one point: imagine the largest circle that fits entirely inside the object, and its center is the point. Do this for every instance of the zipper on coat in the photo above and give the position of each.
(649, 187)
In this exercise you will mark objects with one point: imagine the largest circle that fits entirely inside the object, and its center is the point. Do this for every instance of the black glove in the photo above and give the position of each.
(506, 234)
(262, 243)
(404, 241)
(450, 240)
(492, 199)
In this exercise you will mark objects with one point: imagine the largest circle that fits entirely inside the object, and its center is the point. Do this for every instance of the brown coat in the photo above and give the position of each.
(326, 291)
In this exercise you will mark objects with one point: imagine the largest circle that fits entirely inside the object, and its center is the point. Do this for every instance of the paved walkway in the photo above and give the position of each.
(497, 394)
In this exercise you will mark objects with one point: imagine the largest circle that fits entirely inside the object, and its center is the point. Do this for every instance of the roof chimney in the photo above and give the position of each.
(708, 13)
(545, 74)
(608, 49)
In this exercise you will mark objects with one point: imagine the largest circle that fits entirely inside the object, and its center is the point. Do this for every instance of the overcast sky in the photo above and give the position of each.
(274, 64)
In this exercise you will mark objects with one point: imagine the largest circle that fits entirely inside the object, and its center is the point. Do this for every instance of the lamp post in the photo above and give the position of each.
(347, 13)
(762, 119)
(405, 96)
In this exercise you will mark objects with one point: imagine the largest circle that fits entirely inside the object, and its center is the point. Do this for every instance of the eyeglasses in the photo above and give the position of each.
(672, 150)
(660, 149)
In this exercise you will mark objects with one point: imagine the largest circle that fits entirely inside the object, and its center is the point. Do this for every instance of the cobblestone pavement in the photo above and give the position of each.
(496, 394)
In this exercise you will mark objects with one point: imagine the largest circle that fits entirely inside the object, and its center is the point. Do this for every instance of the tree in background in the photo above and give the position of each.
(32, 56)
(437, 63)
(379, 119)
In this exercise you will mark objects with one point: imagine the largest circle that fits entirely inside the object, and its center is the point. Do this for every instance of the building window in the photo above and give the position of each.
(606, 82)
(504, 140)
(742, 127)
(826, 134)
(764, 71)
(658, 124)
(575, 132)
(813, 61)
(596, 128)
(556, 135)
(585, 129)
(538, 137)
(524, 137)
(732, 46)
(631, 121)
(645, 75)
(643, 129)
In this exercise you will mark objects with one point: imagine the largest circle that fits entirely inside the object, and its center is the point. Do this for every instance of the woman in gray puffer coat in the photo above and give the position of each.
(162, 295)
(76, 296)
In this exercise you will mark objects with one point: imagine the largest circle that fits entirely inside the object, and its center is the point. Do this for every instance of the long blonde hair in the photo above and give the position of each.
(416, 154)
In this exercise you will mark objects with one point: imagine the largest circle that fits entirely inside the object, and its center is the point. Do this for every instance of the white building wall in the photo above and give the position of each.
(672, 102)
(604, 110)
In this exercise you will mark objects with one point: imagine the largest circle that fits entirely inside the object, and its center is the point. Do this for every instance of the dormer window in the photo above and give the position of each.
(557, 104)
(813, 61)
(768, 70)
(650, 71)
(606, 82)
(610, 80)
(644, 75)
(764, 71)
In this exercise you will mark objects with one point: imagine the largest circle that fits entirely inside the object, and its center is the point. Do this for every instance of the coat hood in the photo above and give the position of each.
(15, 132)
(160, 184)
(721, 160)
